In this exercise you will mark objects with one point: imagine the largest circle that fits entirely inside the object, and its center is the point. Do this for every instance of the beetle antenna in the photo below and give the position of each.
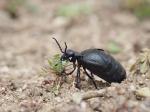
(59, 45)
(65, 47)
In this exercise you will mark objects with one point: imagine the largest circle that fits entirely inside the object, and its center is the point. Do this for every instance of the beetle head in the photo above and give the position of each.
(68, 54)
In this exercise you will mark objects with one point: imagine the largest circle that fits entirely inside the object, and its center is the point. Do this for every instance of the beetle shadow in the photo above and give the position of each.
(90, 86)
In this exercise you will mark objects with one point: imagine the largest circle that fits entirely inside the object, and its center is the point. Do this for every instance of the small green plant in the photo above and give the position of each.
(73, 10)
(56, 64)
(58, 68)
(113, 47)
(13, 6)
(142, 64)
(141, 8)
(143, 11)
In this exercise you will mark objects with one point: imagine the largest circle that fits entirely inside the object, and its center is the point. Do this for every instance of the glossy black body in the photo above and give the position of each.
(103, 65)
(97, 61)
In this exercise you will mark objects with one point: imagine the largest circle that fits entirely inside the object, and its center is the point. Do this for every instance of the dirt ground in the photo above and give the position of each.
(26, 43)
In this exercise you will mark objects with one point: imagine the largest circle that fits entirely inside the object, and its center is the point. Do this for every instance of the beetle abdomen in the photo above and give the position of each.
(114, 72)
(103, 65)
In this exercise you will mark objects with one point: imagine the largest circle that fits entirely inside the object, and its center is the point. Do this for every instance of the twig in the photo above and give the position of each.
(78, 97)
(93, 94)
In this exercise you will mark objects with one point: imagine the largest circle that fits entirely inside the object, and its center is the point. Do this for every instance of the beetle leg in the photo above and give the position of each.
(91, 77)
(77, 81)
(74, 67)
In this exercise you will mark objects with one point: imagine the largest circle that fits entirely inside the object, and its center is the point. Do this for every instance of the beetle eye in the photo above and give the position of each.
(63, 57)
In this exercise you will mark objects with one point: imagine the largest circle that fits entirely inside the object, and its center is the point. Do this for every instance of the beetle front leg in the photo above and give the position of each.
(77, 81)
(74, 67)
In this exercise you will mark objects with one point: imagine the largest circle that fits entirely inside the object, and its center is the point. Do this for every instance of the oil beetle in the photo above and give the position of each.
(97, 61)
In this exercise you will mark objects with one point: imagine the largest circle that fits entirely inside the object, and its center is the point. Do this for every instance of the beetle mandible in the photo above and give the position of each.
(97, 61)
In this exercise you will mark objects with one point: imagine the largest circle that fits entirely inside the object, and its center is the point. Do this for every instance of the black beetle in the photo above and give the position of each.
(97, 61)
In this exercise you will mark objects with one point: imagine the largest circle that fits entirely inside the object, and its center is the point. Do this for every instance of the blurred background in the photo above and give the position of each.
(121, 27)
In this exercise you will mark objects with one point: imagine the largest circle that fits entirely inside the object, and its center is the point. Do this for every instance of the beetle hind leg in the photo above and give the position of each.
(91, 77)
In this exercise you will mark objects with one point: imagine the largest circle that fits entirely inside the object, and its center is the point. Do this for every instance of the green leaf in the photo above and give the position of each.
(73, 10)
(49, 62)
(143, 11)
(144, 67)
(14, 4)
(113, 47)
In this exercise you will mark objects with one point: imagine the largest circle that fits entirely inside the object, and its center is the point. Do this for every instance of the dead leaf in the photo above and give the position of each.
(143, 92)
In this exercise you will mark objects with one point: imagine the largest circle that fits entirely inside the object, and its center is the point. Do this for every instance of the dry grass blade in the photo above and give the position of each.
(78, 97)
(142, 64)
(93, 94)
